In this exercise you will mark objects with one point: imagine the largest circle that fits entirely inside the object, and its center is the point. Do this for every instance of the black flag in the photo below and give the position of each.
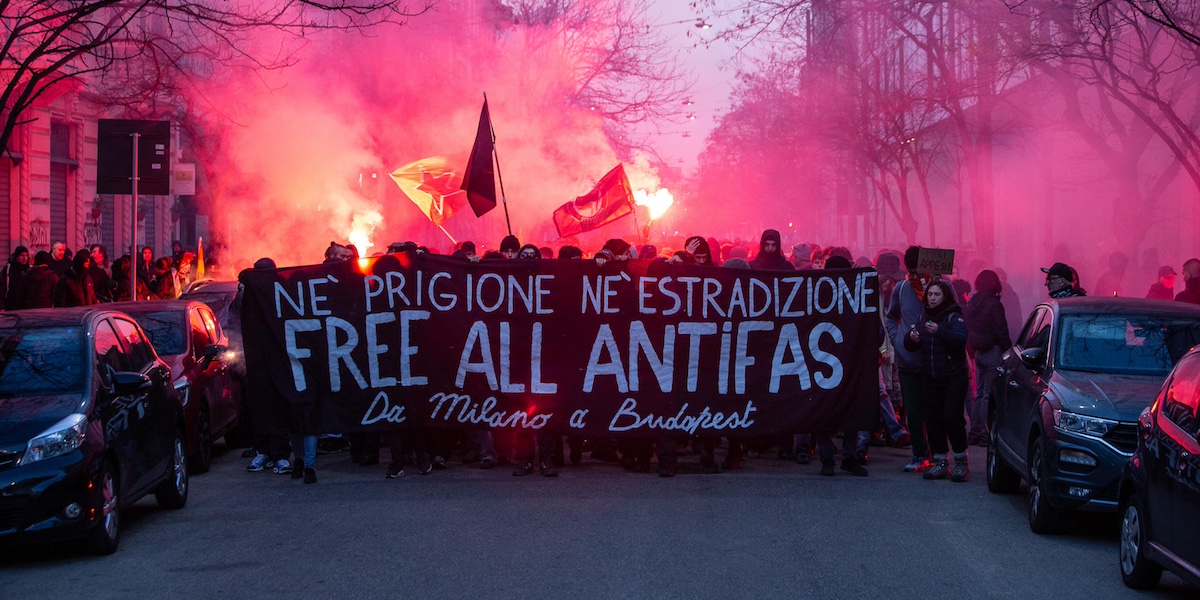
(479, 181)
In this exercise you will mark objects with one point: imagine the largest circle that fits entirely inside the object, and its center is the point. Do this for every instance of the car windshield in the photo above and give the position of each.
(40, 361)
(167, 331)
(1124, 344)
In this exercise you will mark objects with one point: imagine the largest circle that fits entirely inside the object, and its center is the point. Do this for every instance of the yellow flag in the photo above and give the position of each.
(432, 184)
(200, 259)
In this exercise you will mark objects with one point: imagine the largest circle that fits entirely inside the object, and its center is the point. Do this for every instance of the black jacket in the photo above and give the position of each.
(37, 288)
(1191, 291)
(10, 284)
(943, 354)
(771, 260)
(987, 327)
(74, 290)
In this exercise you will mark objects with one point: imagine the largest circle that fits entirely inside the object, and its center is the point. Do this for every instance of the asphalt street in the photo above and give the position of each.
(772, 529)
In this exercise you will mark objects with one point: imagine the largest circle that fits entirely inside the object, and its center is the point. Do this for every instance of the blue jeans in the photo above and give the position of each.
(890, 422)
(309, 444)
(985, 376)
(486, 442)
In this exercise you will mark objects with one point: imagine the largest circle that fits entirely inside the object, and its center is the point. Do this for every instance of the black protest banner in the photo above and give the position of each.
(638, 348)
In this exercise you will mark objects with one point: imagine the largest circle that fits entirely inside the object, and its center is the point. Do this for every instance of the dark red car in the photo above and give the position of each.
(188, 337)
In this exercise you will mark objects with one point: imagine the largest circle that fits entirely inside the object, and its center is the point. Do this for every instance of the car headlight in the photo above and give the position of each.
(64, 436)
(184, 387)
(1083, 424)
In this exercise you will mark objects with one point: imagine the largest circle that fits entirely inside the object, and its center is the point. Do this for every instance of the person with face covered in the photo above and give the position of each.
(941, 341)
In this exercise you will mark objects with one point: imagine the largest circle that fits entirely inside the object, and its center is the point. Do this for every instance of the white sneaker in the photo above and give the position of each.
(283, 467)
(258, 464)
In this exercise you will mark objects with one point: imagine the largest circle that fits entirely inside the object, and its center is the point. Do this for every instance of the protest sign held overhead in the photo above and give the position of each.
(644, 348)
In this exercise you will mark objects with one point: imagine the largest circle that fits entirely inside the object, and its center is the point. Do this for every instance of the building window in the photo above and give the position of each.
(61, 165)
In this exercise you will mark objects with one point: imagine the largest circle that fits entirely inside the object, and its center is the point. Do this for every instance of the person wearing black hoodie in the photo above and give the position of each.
(509, 246)
(10, 277)
(941, 340)
(852, 459)
(770, 254)
(987, 330)
(38, 283)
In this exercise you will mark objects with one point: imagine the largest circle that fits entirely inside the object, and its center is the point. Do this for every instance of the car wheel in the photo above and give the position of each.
(173, 492)
(1137, 571)
(201, 461)
(1043, 518)
(105, 537)
(1001, 478)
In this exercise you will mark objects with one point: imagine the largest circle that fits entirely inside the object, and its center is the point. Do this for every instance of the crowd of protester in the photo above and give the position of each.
(62, 279)
(944, 339)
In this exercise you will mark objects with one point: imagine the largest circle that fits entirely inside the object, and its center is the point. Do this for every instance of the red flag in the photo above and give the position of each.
(611, 199)
(432, 184)
(479, 180)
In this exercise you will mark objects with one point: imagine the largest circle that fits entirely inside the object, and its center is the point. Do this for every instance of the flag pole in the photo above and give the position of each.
(452, 240)
(496, 157)
(637, 229)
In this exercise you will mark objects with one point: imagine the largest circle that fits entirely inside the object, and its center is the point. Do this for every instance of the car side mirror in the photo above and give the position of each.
(1146, 421)
(128, 383)
(1033, 357)
(211, 353)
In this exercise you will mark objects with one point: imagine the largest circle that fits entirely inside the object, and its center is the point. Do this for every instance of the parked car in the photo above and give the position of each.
(1160, 490)
(1068, 395)
(188, 337)
(220, 296)
(89, 423)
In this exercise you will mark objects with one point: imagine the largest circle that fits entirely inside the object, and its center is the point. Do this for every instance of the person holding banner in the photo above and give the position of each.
(509, 246)
(851, 460)
(941, 341)
(700, 250)
(546, 442)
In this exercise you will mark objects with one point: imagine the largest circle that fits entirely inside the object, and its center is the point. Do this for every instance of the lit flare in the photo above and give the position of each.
(657, 202)
(361, 240)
